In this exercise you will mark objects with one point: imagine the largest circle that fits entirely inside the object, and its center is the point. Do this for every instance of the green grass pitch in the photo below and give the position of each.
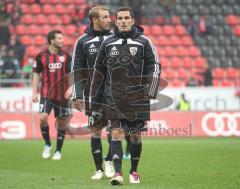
(188, 163)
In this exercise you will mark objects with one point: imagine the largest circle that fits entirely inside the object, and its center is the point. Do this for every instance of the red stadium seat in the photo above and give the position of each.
(70, 30)
(41, 19)
(49, 9)
(176, 20)
(26, 40)
(236, 30)
(165, 62)
(60, 9)
(182, 74)
(66, 19)
(160, 20)
(186, 40)
(181, 51)
(175, 40)
(34, 30)
(31, 51)
(27, 19)
(35, 9)
(168, 30)
(21, 29)
(28, 1)
(169, 51)
(146, 29)
(226, 83)
(79, 2)
(187, 63)
(45, 29)
(218, 73)
(175, 62)
(160, 51)
(216, 82)
(232, 20)
(81, 29)
(200, 62)
(156, 30)
(232, 73)
(163, 40)
(39, 40)
(25, 9)
(176, 83)
(67, 1)
(169, 74)
(193, 51)
(53, 19)
(180, 30)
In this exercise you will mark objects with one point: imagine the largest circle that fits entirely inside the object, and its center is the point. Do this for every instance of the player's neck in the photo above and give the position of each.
(96, 28)
(53, 50)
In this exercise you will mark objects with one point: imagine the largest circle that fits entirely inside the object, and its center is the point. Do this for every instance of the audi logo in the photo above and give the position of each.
(53, 66)
(221, 124)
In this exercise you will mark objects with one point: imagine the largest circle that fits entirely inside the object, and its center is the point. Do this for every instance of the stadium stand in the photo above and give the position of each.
(194, 34)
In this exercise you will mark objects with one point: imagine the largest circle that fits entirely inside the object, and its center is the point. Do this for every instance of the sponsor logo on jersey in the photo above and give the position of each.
(61, 58)
(93, 49)
(54, 66)
(114, 51)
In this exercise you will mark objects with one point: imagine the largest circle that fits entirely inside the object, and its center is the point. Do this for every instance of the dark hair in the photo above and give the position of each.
(94, 12)
(51, 35)
(125, 9)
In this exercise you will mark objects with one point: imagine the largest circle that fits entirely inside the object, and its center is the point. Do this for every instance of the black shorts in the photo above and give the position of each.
(128, 126)
(61, 108)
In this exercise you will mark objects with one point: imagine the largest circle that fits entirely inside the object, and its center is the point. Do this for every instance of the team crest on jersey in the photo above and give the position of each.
(61, 58)
(133, 50)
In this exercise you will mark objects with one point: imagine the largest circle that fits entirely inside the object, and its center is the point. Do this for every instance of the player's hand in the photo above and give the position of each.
(68, 93)
(79, 104)
(35, 98)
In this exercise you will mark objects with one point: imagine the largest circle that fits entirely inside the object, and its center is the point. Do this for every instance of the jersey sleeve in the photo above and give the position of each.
(37, 65)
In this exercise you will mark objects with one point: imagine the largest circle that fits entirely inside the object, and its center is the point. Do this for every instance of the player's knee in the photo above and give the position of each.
(117, 134)
(135, 138)
(62, 123)
(43, 120)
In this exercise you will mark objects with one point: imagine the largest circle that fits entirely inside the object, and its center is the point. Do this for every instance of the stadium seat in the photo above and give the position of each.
(48, 9)
(146, 29)
(159, 20)
(160, 51)
(200, 63)
(31, 51)
(176, 20)
(39, 40)
(165, 62)
(232, 20)
(169, 51)
(169, 74)
(181, 51)
(236, 30)
(186, 40)
(26, 40)
(176, 83)
(187, 63)
(175, 63)
(21, 29)
(81, 29)
(27, 19)
(168, 30)
(60, 9)
(218, 73)
(65, 19)
(45, 29)
(34, 30)
(35, 9)
(70, 30)
(182, 74)
(226, 83)
(163, 40)
(216, 82)
(41, 19)
(175, 40)
(180, 30)
(53, 19)
(193, 51)
(232, 73)
(25, 9)
(156, 30)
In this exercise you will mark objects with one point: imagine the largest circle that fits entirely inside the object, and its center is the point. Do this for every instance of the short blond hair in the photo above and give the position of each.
(94, 12)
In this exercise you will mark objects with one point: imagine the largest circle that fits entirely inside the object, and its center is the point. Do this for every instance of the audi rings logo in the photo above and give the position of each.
(221, 124)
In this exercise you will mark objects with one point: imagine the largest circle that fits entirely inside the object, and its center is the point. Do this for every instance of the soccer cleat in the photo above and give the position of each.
(126, 156)
(98, 175)
(109, 170)
(46, 152)
(57, 156)
(117, 179)
(134, 178)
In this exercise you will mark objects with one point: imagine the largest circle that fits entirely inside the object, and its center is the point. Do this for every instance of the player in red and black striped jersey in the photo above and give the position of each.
(51, 66)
